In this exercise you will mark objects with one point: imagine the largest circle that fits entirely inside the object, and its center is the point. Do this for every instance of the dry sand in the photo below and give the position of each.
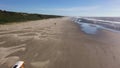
(57, 43)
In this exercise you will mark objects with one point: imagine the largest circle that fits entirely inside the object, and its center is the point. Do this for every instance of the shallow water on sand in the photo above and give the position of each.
(89, 28)
(93, 28)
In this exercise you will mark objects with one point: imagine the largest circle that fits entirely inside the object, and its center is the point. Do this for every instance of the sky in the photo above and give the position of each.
(64, 7)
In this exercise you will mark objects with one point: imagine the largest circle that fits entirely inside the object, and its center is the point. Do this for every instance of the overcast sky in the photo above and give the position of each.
(64, 7)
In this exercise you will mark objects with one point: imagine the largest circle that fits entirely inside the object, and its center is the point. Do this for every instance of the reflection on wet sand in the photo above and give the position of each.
(89, 28)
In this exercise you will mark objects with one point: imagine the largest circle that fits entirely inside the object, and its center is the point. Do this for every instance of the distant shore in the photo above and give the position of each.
(10, 17)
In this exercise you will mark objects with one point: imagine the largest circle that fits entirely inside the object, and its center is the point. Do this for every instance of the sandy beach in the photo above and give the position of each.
(57, 43)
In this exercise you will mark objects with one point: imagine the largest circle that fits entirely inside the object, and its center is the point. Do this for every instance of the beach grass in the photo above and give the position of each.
(9, 16)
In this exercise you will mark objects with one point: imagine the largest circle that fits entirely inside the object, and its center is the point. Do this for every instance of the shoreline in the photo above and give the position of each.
(57, 43)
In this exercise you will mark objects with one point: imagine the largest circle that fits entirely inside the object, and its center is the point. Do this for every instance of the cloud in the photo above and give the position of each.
(70, 9)
(108, 8)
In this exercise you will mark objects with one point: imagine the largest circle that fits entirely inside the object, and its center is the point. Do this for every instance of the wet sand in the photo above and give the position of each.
(58, 43)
